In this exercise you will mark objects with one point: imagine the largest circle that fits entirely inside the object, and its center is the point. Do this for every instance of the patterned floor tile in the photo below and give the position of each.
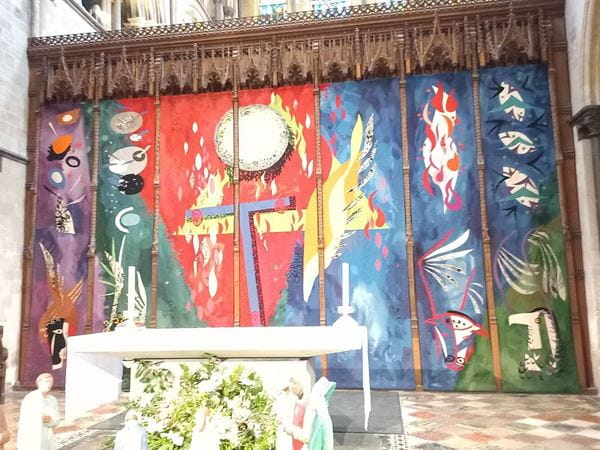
(480, 438)
(576, 423)
(508, 444)
(546, 433)
(458, 442)
(590, 418)
(533, 422)
(594, 434)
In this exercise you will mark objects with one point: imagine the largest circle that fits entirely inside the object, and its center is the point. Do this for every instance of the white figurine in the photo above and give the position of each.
(316, 432)
(38, 416)
(204, 434)
(132, 436)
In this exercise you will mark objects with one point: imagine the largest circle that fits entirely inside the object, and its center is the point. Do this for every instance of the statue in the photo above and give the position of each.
(38, 416)
(291, 406)
(132, 436)
(316, 431)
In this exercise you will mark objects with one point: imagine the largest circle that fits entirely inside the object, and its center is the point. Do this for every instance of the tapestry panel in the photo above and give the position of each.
(449, 277)
(278, 206)
(529, 272)
(195, 263)
(124, 213)
(62, 236)
(364, 224)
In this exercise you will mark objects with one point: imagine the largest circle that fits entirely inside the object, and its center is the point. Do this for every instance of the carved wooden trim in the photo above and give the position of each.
(236, 188)
(362, 44)
(487, 252)
(154, 88)
(33, 144)
(410, 257)
(290, 23)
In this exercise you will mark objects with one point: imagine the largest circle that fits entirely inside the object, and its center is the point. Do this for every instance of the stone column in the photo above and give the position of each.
(116, 14)
(586, 122)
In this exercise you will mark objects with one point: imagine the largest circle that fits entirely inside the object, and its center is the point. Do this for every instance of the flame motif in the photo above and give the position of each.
(440, 153)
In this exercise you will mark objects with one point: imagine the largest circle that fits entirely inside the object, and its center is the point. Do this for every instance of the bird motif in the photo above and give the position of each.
(343, 201)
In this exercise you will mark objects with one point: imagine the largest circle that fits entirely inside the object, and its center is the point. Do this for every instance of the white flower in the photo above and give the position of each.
(241, 414)
(145, 398)
(207, 386)
(175, 438)
(245, 378)
(154, 426)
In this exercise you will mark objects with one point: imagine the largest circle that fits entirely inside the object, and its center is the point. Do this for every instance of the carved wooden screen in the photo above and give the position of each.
(228, 183)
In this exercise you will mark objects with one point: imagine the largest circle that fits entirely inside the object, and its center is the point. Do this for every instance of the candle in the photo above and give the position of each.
(345, 308)
(345, 285)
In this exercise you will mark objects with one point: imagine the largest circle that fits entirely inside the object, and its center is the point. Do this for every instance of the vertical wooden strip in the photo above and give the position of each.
(316, 68)
(570, 259)
(410, 262)
(156, 219)
(36, 99)
(487, 253)
(236, 189)
(91, 254)
(319, 181)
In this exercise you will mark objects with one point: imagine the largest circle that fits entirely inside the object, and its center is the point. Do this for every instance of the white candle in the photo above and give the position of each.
(131, 293)
(345, 285)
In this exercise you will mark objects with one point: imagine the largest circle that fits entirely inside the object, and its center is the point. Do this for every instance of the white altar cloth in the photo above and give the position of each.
(94, 362)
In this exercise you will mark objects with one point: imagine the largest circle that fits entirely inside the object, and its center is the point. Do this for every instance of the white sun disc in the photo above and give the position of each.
(263, 138)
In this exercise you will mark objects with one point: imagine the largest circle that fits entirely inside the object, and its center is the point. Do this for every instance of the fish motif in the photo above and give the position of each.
(511, 102)
(517, 142)
(522, 188)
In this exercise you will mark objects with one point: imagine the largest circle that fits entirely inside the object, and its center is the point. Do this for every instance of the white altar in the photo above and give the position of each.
(94, 367)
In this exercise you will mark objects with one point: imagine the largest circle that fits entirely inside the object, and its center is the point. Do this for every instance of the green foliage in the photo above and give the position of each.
(239, 408)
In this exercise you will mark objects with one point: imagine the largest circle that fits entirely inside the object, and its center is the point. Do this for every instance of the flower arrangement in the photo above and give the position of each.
(240, 412)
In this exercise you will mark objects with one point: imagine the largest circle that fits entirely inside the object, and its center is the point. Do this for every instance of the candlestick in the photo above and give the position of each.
(345, 308)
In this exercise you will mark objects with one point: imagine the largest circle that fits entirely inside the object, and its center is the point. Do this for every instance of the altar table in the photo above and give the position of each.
(94, 361)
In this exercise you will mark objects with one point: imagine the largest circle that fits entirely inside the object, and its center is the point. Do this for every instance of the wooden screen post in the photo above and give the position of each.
(37, 77)
(154, 88)
(470, 34)
(236, 187)
(410, 261)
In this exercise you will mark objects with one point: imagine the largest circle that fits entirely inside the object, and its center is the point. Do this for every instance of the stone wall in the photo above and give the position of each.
(582, 22)
(62, 17)
(50, 17)
(14, 25)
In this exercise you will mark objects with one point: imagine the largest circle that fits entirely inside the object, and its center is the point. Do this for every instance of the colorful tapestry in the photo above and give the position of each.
(449, 277)
(530, 277)
(62, 235)
(124, 213)
(195, 265)
(364, 224)
(278, 207)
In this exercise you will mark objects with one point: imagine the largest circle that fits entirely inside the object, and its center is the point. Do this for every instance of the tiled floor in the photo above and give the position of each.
(496, 421)
(432, 421)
